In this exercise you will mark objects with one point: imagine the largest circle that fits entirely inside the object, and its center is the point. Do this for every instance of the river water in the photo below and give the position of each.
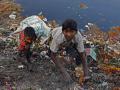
(104, 13)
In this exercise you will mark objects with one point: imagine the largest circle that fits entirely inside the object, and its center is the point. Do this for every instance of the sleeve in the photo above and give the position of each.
(79, 40)
(54, 45)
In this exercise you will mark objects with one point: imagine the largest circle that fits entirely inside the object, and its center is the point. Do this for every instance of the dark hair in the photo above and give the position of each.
(69, 23)
(30, 32)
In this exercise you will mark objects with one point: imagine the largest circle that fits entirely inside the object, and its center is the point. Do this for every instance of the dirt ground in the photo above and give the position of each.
(45, 75)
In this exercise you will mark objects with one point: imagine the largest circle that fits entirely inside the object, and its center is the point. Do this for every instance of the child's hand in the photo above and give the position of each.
(27, 47)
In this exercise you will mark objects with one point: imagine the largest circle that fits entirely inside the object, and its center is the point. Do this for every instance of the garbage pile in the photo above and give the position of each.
(105, 73)
(9, 13)
(103, 77)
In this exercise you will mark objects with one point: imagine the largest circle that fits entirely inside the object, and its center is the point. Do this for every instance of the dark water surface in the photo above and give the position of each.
(104, 13)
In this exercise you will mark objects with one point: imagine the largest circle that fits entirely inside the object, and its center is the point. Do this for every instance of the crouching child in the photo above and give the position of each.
(26, 38)
(31, 29)
(65, 36)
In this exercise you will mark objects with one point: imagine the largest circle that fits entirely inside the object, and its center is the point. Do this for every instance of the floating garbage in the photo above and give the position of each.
(83, 6)
(40, 13)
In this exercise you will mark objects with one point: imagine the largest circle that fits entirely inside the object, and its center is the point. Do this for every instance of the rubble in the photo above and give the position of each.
(108, 53)
(109, 69)
(9, 13)
(53, 24)
(104, 77)
(12, 16)
(105, 74)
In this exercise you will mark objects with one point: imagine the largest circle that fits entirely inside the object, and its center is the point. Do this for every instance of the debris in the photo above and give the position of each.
(21, 66)
(83, 6)
(109, 69)
(2, 68)
(79, 74)
(43, 53)
(12, 16)
(116, 88)
(104, 75)
(40, 13)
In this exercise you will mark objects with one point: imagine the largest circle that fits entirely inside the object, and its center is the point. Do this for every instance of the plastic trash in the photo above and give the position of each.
(12, 16)
(21, 66)
(43, 53)
(90, 24)
(83, 6)
(40, 27)
(45, 19)
(40, 13)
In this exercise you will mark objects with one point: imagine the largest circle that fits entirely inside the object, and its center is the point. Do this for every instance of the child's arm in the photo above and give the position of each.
(84, 64)
(28, 53)
(61, 67)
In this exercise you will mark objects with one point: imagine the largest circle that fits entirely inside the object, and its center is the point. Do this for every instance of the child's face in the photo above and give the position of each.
(69, 34)
(29, 39)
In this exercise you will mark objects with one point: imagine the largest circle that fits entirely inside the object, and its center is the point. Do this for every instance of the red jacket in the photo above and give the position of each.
(23, 41)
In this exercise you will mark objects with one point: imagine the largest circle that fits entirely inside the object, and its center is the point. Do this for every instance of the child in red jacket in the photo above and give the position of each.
(26, 38)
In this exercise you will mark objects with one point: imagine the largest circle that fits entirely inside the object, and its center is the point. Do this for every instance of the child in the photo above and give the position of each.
(26, 38)
(30, 29)
(68, 36)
